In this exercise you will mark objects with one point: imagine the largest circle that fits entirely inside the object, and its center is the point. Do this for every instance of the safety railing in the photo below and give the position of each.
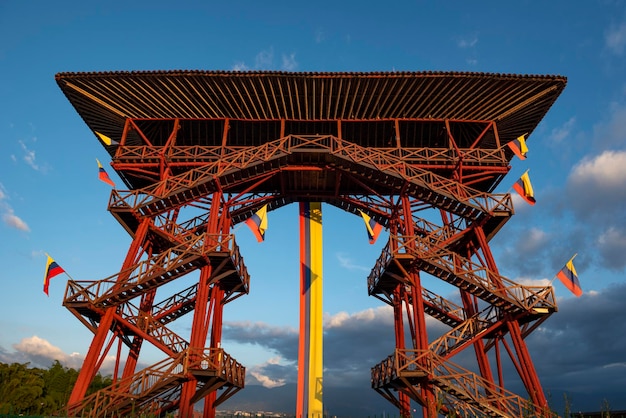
(455, 382)
(473, 277)
(153, 272)
(239, 159)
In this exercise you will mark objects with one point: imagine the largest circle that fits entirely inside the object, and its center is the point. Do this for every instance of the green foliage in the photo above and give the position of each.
(34, 391)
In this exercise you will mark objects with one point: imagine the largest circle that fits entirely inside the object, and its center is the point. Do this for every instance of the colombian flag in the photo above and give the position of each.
(52, 269)
(373, 227)
(518, 146)
(569, 277)
(102, 175)
(258, 223)
(525, 189)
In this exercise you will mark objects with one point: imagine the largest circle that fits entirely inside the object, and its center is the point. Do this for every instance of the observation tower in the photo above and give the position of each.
(421, 153)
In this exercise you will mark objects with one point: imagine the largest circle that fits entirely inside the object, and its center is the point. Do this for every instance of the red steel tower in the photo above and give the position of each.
(420, 152)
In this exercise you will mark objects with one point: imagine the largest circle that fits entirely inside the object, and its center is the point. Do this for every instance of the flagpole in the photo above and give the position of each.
(569, 261)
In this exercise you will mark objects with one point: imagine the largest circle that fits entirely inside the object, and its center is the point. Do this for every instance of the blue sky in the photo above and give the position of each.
(52, 201)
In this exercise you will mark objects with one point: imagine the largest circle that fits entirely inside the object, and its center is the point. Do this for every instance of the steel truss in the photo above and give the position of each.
(222, 186)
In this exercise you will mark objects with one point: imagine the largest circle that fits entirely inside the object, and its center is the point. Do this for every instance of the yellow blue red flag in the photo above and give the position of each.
(525, 189)
(258, 223)
(102, 175)
(518, 146)
(52, 269)
(373, 227)
(569, 278)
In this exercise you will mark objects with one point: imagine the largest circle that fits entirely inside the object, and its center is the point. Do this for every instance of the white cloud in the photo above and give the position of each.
(596, 196)
(42, 353)
(381, 313)
(39, 350)
(14, 221)
(39, 346)
(350, 264)
(8, 216)
(264, 59)
(320, 35)
(468, 42)
(564, 131)
(520, 204)
(265, 380)
(527, 281)
(289, 62)
(29, 156)
(606, 171)
(240, 66)
(615, 38)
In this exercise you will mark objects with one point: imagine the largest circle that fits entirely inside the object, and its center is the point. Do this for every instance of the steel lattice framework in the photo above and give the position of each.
(201, 151)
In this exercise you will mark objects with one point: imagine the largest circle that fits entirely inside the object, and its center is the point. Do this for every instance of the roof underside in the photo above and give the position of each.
(517, 103)
(364, 108)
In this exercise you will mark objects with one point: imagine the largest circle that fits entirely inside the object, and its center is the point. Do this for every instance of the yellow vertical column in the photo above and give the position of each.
(310, 350)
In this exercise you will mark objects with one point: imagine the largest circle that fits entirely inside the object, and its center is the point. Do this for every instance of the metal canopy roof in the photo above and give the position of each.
(517, 103)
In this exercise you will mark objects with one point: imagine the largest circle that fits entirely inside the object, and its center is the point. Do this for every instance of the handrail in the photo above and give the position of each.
(117, 288)
(455, 381)
(239, 159)
(148, 383)
(199, 154)
(478, 277)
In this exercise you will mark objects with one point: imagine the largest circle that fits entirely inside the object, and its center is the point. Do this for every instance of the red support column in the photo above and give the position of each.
(92, 359)
(529, 375)
(419, 317)
(403, 398)
(217, 298)
(202, 311)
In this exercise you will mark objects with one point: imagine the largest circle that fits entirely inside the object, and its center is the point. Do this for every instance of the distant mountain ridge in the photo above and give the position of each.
(338, 401)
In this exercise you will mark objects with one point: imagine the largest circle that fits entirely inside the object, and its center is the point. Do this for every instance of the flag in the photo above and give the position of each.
(52, 269)
(258, 223)
(106, 139)
(103, 175)
(373, 228)
(569, 277)
(518, 146)
(525, 189)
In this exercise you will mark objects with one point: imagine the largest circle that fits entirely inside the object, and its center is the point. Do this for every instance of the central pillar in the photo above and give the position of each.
(310, 368)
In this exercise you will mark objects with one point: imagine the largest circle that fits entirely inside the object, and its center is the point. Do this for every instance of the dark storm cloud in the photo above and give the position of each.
(281, 340)
(596, 192)
(272, 374)
(578, 350)
(586, 333)
(523, 249)
(353, 343)
(585, 215)
(596, 188)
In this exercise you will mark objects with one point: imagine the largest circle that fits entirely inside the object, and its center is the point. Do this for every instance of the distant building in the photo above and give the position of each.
(599, 414)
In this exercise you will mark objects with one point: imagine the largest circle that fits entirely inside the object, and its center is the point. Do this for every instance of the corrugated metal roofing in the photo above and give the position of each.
(516, 102)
